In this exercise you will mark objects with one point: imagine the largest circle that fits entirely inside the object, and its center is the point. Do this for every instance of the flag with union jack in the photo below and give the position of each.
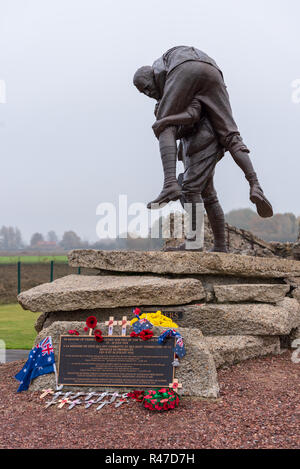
(40, 362)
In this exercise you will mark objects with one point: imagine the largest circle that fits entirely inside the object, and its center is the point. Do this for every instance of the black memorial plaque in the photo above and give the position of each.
(117, 361)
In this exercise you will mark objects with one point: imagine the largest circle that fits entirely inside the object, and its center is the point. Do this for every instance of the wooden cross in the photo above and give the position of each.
(102, 405)
(175, 385)
(63, 402)
(120, 402)
(89, 403)
(46, 392)
(114, 397)
(124, 323)
(49, 403)
(74, 403)
(78, 395)
(89, 395)
(111, 323)
(101, 396)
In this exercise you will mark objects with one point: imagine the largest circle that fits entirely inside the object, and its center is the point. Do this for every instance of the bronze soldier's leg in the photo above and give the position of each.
(215, 216)
(263, 206)
(168, 151)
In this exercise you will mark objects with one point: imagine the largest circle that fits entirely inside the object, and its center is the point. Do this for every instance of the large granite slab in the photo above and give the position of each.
(243, 318)
(75, 292)
(160, 262)
(210, 318)
(229, 350)
(263, 293)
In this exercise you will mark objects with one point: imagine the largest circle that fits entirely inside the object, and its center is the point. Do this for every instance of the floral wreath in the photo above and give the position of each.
(161, 400)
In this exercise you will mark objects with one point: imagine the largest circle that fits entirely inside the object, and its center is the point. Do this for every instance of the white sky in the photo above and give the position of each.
(72, 116)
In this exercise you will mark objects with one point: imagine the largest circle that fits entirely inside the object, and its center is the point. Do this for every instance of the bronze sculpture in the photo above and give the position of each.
(193, 107)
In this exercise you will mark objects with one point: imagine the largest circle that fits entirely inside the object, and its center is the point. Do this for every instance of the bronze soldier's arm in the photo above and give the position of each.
(189, 116)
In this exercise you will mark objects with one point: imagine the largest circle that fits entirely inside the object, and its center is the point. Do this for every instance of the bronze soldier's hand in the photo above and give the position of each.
(159, 126)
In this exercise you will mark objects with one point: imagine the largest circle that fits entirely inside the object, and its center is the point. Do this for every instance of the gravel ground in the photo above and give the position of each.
(259, 407)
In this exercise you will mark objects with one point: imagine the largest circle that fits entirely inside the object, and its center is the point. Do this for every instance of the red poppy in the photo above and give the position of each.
(133, 334)
(99, 338)
(73, 332)
(86, 329)
(166, 406)
(98, 332)
(136, 395)
(137, 311)
(91, 322)
(146, 334)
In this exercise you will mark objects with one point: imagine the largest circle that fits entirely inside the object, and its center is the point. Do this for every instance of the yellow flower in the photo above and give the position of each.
(157, 319)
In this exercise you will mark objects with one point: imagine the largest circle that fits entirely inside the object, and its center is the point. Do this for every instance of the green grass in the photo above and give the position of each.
(17, 327)
(32, 259)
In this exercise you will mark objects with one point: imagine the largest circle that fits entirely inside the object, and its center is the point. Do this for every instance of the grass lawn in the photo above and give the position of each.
(17, 327)
(32, 259)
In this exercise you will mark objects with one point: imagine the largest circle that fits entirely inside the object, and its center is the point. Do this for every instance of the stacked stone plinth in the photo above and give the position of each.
(241, 306)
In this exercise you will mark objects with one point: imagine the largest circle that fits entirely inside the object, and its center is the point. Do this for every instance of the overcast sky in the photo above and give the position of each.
(75, 132)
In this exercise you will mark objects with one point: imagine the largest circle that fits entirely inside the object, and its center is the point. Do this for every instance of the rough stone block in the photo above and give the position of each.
(263, 293)
(243, 319)
(228, 350)
(184, 263)
(89, 292)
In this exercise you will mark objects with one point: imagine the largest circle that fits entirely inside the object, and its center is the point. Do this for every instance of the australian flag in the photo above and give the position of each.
(40, 362)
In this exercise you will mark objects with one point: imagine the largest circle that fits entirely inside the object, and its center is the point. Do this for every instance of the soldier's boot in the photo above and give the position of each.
(171, 189)
(216, 219)
(257, 197)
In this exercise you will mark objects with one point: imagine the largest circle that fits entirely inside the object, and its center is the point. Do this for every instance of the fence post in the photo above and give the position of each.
(51, 270)
(19, 277)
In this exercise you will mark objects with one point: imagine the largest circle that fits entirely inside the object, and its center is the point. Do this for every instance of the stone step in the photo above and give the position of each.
(228, 350)
(75, 292)
(243, 319)
(212, 319)
(160, 262)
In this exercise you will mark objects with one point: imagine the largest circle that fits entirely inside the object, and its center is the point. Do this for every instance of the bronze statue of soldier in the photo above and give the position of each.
(193, 107)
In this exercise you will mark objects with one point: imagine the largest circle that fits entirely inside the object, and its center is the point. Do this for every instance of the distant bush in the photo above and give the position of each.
(283, 227)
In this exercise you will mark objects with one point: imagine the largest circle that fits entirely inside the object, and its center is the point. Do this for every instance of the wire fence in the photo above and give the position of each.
(51, 272)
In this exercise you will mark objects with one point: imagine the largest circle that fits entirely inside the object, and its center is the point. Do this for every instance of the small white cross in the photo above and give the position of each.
(111, 323)
(124, 323)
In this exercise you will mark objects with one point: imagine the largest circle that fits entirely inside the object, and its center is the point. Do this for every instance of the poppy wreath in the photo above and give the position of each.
(163, 399)
(136, 395)
(98, 335)
(145, 334)
(73, 332)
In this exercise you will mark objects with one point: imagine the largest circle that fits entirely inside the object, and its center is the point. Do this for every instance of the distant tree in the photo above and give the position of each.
(10, 238)
(241, 218)
(52, 236)
(70, 240)
(283, 227)
(35, 239)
